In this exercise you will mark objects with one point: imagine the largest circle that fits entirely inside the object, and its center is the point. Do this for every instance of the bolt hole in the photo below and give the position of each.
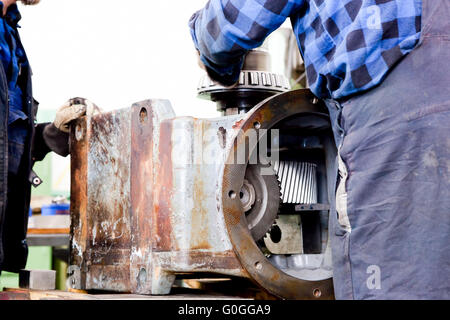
(258, 265)
(317, 293)
(142, 276)
(143, 115)
(232, 194)
(275, 234)
(79, 132)
(256, 125)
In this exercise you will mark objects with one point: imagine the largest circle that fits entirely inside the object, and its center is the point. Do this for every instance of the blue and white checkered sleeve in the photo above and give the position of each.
(224, 30)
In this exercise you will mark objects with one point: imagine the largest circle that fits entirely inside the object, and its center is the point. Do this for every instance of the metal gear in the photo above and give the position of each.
(260, 195)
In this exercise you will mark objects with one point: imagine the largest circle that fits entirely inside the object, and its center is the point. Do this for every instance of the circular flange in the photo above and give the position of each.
(267, 114)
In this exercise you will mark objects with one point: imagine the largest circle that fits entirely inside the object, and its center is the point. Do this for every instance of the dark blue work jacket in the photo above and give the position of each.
(22, 142)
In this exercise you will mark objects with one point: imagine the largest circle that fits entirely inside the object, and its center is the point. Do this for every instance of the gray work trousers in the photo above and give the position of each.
(390, 224)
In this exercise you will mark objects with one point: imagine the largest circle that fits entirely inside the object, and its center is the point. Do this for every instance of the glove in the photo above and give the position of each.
(210, 73)
(71, 110)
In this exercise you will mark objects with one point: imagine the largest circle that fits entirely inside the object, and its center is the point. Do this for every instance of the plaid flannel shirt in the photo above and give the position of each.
(348, 46)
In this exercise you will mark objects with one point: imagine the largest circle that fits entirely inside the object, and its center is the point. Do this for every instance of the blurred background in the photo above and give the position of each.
(114, 53)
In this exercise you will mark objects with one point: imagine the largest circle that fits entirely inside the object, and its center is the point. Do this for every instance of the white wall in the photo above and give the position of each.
(114, 52)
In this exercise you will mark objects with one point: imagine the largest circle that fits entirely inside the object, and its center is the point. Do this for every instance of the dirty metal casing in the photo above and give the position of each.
(285, 109)
(144, 199)
(150, 199)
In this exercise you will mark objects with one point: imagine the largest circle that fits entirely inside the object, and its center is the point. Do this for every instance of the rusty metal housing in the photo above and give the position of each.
(150, 199)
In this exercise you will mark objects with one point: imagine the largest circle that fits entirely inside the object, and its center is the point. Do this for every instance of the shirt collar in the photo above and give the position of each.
(12, 15)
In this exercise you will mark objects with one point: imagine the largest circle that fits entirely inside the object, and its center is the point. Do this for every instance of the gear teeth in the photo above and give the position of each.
(281, 201)
(279, 208)
(272, 208)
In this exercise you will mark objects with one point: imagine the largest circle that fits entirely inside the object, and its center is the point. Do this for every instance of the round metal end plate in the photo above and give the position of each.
(266, 115)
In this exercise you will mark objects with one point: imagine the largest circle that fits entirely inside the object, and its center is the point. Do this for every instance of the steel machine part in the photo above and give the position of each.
(255, 84)
(262, 214)
(155, 197)
(298, 181)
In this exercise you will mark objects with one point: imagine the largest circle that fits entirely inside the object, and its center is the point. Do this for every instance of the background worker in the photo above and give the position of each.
(381, 67)
(22, 142)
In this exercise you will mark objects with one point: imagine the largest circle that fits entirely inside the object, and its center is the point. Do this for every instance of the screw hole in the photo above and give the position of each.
(275, 234)
(317, 293)
(258, 265)
(257, 125)
(79, 132)
(143, 115)
(232, 194)
(142, 276)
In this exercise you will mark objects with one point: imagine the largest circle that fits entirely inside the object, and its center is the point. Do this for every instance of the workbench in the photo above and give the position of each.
(52, 231)
(178, 294)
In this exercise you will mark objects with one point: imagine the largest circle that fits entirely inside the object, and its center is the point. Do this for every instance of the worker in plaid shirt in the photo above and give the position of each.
(382, 68)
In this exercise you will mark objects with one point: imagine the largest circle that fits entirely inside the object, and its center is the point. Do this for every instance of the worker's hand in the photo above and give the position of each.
(71, 110)
(199, 62)
(202, 66)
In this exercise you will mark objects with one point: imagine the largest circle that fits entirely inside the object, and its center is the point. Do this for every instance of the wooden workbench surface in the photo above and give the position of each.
(25, 294)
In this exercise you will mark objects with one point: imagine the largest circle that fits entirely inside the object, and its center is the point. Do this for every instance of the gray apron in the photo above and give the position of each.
(391, 219)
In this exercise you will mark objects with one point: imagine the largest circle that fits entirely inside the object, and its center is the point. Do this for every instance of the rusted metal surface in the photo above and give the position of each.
(145, 134)
(198, 261)
(163, 190)
(109, 201)
(150, 199)
(101, 193)
(197, 160)
(79, 138)
(266, 115)
(145, 200)
(141, 194)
